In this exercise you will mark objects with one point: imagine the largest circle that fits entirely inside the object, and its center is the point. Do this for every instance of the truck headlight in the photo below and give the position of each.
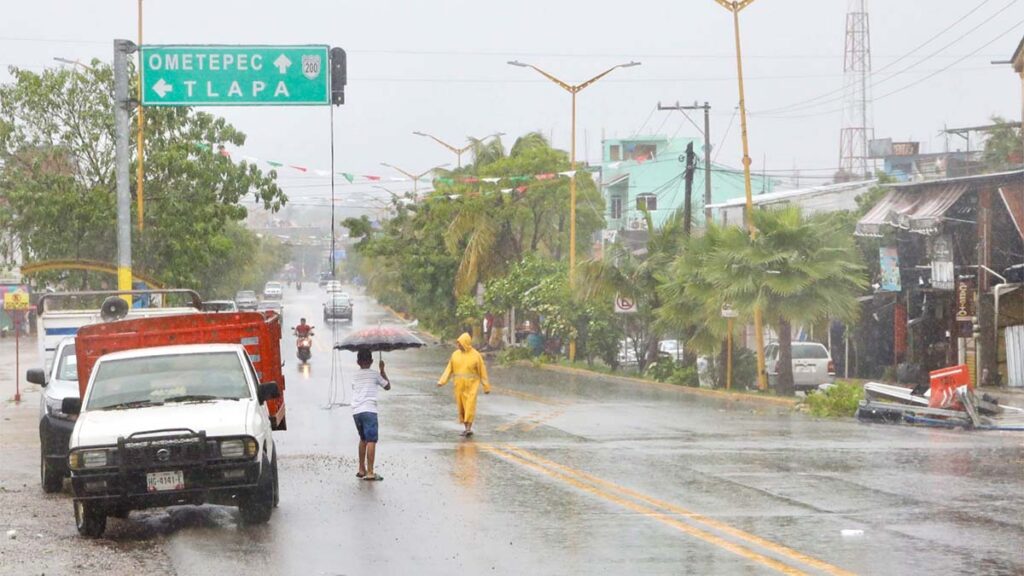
(96, 458)
(238, 448)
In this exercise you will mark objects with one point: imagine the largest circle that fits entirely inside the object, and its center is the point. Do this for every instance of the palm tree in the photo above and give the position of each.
(797, 270)
(635, 274)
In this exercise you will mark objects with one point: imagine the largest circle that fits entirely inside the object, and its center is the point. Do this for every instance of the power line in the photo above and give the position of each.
(825, 97)
(1013, 28)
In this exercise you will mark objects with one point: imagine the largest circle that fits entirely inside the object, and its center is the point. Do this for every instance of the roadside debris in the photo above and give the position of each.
(949, 401)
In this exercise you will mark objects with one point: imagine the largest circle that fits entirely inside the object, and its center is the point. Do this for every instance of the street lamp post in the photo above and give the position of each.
(459, 151)
(735, 6)
(572, 89)
(415, 177)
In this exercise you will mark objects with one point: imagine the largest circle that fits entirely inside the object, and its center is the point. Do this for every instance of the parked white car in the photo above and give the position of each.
(273, 290)
(812, 365)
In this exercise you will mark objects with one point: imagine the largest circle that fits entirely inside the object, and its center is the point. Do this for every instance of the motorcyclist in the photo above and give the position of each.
(303, 330)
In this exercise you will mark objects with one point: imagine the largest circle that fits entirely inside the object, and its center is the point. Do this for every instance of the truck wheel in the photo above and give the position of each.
(90, 521)
(52, 480)
(257, 508)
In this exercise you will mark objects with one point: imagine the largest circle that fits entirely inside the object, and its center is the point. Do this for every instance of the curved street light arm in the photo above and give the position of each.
(580, 87)
(439, 141)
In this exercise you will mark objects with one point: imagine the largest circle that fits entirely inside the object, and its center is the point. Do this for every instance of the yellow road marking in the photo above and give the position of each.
(694, 516)
(528, 396)
(650, 513)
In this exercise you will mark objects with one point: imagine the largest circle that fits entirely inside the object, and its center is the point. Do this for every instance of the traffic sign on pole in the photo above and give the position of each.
(223, 75)
(624, 305)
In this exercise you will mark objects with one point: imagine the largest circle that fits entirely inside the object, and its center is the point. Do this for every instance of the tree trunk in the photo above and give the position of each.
(784, 384)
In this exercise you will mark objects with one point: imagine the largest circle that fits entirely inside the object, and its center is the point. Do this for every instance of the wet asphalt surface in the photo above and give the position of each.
(588, 475)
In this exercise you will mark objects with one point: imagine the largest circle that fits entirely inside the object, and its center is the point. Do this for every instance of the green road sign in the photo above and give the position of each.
(195, 75)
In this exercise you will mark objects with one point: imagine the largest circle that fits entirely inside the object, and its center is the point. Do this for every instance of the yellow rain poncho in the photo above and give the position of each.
(467, 367)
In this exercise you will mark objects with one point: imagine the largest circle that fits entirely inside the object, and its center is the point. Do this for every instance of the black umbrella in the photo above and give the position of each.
(380, 339)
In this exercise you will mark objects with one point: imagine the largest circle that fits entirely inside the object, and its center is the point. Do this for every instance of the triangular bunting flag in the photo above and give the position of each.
(521, 189)
(448, 181)
(347, 176)
(506, 190)
(491, 180)
(371, 177)
(322, 172)
(203, 146)
(547, 176)
(569, 173)
(275, 164)
(299, 168)
(470, 180)
(453, 196)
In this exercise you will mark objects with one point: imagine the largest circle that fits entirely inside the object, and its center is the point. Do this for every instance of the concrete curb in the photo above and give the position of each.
(720, 394)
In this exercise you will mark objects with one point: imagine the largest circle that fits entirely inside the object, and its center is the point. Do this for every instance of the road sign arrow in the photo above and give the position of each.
(162, 88)
(282, 63)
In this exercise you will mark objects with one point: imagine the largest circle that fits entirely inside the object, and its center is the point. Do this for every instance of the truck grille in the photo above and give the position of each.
(162, 451)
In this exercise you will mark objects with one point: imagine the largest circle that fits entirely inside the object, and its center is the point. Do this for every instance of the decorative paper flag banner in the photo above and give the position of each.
(371, 178)
(453, 196)
(519, 178)
(274, 164)
(299, 168)
(569, 173)
(322, 172)
(347, 176)
(203, 146)
(491, 180)
(615, 165)
(448, 181)
(223, 151)
(521, 189)
(470, 180)
(506, 190)
(398, 179)
(547, 176)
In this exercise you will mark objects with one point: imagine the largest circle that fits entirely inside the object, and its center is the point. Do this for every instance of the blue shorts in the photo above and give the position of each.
(366, 425)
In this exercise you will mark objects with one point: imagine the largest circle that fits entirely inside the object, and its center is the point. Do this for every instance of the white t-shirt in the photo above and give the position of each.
(364, 386)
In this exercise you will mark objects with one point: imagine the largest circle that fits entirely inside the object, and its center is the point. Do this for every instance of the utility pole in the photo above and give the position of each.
(707, 149)
(691, 160)
(122, 126)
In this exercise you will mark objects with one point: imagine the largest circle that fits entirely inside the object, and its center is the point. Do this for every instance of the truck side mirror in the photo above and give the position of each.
(36, 376)
(71, 405)
(266, 391)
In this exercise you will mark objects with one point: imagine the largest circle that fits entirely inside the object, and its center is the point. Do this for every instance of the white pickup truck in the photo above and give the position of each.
(181, 424)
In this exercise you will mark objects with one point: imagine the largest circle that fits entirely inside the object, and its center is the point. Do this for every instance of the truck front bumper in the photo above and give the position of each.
(126, 489)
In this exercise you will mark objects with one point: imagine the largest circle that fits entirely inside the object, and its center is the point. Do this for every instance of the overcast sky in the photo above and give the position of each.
(440, 67)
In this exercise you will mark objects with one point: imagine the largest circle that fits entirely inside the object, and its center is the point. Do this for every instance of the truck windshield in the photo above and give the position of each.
(171, 378)
(67, 368)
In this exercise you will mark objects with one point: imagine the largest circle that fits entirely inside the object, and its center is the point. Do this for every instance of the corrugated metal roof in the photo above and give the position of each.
(785, 195)
(1013, 198)
(917, 210)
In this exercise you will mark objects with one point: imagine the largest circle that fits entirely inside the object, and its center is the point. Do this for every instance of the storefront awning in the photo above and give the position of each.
(917, 210)
(1013, 198)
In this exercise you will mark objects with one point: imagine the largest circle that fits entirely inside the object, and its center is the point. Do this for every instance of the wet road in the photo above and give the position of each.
(585, 475)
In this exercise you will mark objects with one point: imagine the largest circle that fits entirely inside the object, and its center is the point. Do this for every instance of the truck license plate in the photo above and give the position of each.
(161, 481)
(805, 369)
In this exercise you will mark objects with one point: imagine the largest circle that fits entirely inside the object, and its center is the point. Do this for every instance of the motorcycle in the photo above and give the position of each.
(298, 285)
(303, 345)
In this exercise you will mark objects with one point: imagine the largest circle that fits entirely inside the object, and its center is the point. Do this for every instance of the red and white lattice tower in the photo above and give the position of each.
(856, 129)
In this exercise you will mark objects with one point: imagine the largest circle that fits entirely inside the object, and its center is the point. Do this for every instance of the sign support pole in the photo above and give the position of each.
(122, 126)
(17, 359)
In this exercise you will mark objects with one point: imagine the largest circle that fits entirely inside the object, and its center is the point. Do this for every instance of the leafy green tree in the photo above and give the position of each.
(637, 275)
(57, 184)
(1004, 146)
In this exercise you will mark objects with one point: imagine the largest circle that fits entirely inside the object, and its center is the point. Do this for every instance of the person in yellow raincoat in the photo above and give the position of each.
(467, 367)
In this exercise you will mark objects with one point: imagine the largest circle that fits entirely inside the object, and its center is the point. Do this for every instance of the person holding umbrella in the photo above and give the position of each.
(364, 410)
(467, 367)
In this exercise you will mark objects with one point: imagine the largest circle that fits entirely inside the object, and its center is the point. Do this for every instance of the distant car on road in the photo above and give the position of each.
(246, 300)
(325, 277)
(273, 290)
(812, 365)
(270, 305)
(220, 306)
(333, 286)
(338, 307)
